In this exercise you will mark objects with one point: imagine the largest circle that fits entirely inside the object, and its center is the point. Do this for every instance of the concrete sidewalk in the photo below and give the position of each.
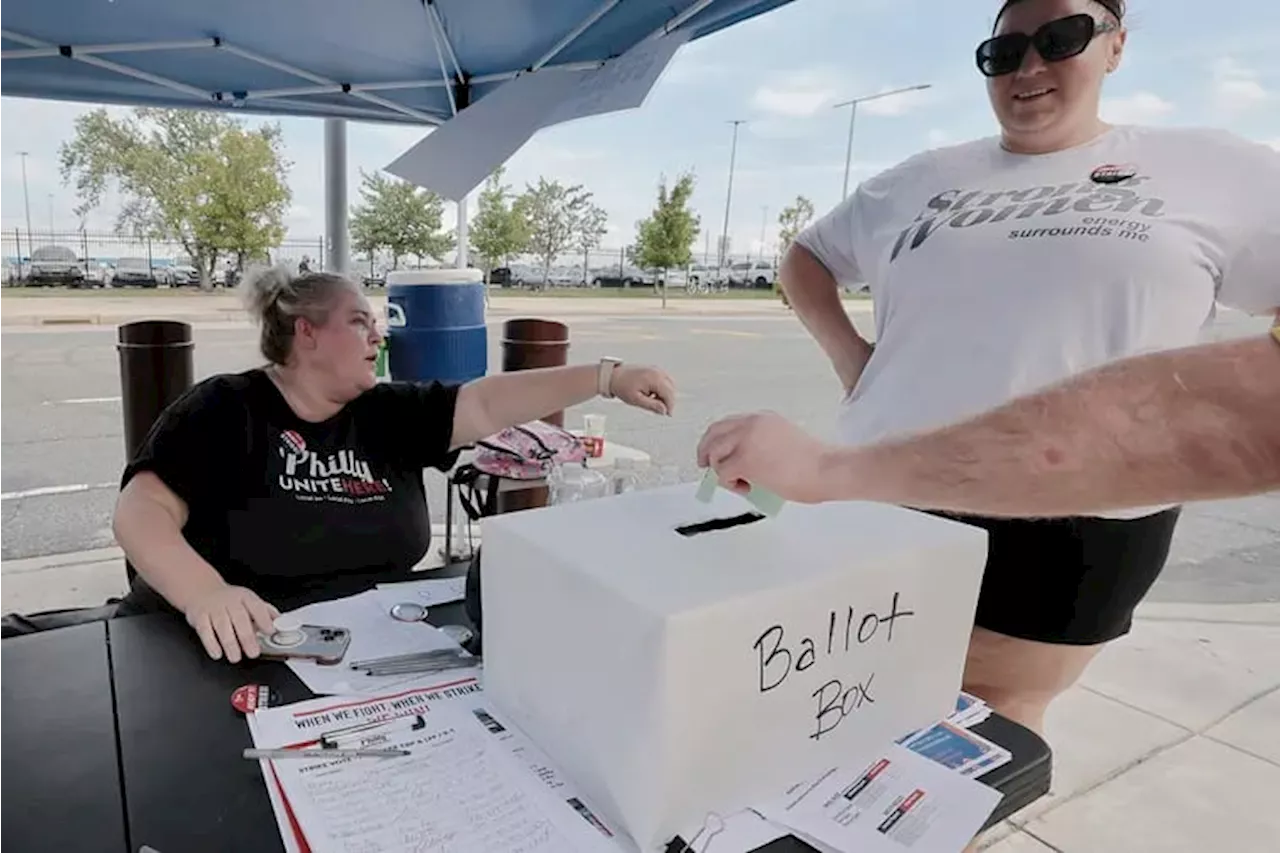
(108, 309)
(1170, 744)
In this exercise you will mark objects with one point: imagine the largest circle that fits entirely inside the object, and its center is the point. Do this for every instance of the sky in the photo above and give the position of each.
(1187, 63)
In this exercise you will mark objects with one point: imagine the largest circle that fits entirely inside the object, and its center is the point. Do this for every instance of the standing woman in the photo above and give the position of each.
(1007, 264)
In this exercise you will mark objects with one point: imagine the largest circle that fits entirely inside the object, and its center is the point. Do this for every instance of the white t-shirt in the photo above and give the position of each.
(995, 274)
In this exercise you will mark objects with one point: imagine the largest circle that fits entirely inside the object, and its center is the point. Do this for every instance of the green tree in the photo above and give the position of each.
(590, 229)
(664, 241)
(399, 217)
(792, 220)
(201, 179)
(500, 228)
(553, 212)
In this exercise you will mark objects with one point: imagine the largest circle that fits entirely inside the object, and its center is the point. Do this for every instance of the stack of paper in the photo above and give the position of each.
(895, 801)
(951, 744)
(470, 783)
(910, 794)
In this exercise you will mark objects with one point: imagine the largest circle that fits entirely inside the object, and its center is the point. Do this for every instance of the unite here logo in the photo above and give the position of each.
(341, 474)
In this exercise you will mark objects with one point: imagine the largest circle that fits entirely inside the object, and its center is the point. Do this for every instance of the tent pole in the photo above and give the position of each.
(463, 248)
(337, 242)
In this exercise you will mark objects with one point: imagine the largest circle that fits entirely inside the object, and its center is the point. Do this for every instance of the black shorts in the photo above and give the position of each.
(1069, 581)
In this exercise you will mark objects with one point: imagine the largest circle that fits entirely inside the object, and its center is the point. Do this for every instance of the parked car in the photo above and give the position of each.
(54, 265)
(134, 272)
(182, 275)
(674, 278)
(746, 274)
(98, 274)
(615, 276)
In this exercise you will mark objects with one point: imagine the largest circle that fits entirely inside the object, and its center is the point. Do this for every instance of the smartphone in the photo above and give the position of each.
(325, 644)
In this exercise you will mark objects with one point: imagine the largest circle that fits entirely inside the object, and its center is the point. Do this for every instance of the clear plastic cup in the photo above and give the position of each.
(593, 426)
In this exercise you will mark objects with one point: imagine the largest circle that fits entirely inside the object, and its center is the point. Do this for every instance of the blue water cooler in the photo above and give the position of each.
(436, 326)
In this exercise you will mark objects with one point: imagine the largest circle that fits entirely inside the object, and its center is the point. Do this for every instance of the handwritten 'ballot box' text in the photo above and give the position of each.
(836, 697)
(675, 658)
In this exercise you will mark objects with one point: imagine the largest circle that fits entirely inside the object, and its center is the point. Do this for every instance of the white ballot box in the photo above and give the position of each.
(676, 658)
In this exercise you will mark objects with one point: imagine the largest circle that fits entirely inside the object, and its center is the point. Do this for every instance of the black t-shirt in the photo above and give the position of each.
(294, 510)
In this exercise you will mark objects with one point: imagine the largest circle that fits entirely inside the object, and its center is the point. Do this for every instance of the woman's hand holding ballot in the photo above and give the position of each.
(645, 388)
(767, 450)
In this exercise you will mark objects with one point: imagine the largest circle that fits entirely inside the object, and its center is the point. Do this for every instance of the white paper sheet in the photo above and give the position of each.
(461, 789)
(305, 722)
(432, 592)
(899, 801)
(374, 634)
(454, 158)
(287, 836)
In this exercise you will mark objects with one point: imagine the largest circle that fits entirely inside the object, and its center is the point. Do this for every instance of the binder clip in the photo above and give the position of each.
(712, 825)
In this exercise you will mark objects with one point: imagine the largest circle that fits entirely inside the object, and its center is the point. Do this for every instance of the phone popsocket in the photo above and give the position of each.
(324, 644)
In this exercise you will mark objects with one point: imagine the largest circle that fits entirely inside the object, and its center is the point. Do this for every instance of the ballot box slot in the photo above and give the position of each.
(720, 524)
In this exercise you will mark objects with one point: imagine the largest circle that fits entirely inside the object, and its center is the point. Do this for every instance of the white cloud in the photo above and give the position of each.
(798, 94)
(1138, 108)
(1237, 89)
(1274, 143)
(900, 104)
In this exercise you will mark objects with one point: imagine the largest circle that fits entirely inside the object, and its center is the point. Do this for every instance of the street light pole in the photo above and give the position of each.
(853, 114)
(26, 203)
(848, 151)
(51, 217)
(764, 225)
(728, 196)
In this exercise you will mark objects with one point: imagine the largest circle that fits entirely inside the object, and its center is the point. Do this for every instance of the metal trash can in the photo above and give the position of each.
(436, 325)
(529, 343)
(157, 366)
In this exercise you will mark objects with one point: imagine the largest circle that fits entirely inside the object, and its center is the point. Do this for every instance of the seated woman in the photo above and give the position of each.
(302, 480)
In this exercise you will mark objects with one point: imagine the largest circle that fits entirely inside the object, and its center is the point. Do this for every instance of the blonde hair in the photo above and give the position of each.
(276, 298)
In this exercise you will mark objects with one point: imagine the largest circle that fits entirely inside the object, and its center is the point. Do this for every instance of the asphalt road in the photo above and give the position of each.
(63, 446)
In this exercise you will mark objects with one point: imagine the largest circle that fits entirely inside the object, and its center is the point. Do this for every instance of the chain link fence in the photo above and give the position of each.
(95, 259)
(616, 268)
(90, 258)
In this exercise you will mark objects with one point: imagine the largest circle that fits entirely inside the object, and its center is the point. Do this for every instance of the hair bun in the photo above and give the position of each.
(263, 287)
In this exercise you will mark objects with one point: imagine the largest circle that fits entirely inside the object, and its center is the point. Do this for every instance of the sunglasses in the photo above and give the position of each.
(1054, 41)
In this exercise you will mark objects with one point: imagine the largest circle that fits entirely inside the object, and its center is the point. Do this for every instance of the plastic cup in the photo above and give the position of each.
(593, 426)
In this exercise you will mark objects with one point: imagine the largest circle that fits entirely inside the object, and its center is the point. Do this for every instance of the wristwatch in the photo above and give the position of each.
(604, 381)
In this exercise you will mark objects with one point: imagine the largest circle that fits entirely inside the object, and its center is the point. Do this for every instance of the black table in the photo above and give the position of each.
(61, 763)
(161, 765)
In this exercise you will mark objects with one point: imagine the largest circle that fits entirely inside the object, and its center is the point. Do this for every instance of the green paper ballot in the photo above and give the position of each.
(763, 500)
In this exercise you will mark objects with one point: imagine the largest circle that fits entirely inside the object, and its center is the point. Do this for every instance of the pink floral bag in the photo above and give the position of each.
(528, 452)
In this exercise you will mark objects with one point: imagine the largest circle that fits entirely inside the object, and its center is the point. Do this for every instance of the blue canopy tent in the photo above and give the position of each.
(416, 62)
